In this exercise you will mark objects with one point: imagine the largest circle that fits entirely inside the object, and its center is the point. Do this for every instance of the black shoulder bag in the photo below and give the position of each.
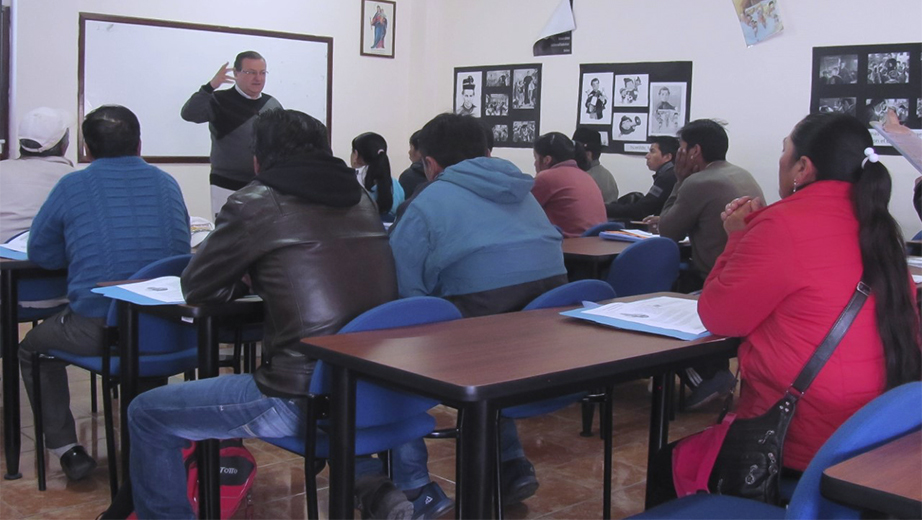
(749, 462)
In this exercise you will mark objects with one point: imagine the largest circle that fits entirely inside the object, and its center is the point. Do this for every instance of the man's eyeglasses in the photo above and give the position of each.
(252, 73)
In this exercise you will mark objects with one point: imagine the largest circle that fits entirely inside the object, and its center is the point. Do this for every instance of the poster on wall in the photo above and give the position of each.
(378, 22)
(627, 103)
(760, 20)
(507, 99)
(866, 81)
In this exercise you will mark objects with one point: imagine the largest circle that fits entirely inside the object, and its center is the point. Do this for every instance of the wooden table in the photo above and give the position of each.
(11, 272)
(593, 252)
(887, 479)
(208, 319)
(481, 365)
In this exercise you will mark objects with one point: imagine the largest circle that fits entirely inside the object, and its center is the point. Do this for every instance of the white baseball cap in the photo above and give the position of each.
(46, 126)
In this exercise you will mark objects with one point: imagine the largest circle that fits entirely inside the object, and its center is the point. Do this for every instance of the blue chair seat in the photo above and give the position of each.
(714, 507)
(547, 406)
(152, 365)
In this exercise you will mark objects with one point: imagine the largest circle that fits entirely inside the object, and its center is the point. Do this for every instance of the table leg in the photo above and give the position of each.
(605, 424)
(659, 427)
(208, 450)
(10, 339)
(128, 374)
(475, 484)
(342, 443)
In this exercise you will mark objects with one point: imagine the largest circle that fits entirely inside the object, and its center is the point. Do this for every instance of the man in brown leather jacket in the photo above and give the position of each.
(309, 241)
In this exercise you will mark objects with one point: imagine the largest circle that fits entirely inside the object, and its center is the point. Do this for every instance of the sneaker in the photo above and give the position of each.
(431, 502)
(519, 481)
(77, 463)
(377, 497)
(722, 384)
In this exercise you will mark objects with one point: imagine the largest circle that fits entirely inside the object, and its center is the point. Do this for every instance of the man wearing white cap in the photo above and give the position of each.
(25, 182)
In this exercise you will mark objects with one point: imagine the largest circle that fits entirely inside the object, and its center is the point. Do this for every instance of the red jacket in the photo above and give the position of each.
(780, 284)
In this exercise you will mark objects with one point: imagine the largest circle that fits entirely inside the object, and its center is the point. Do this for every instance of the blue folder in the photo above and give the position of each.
(629, 325)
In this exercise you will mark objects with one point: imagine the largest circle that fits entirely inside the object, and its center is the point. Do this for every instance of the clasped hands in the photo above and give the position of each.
(735, 213)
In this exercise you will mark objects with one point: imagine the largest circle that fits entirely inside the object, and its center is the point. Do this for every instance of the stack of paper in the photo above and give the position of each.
(626, 235)
(914, 261)
(165, 290)
(16, 248)
(663, 315)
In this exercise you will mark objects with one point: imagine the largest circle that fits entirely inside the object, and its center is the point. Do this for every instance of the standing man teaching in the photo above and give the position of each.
(230, 114)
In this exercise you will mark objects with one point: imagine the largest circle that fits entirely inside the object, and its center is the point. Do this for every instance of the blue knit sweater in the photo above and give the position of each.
(105, 223)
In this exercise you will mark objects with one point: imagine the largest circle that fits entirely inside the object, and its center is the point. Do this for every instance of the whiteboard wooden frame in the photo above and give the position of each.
(170, 77)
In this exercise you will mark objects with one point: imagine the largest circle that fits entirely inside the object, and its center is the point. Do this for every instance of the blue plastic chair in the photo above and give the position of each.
(884, 419)
(39, 290)
(384, 418)
(604, 226)
(648, 266)
(165, 348)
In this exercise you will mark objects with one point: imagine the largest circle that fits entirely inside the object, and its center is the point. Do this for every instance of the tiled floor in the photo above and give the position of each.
(569, 466)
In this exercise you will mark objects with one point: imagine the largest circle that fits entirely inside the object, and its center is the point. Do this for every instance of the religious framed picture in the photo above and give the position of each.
(378, 28)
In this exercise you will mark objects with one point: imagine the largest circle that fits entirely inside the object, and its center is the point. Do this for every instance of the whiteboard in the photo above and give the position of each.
(152, 67)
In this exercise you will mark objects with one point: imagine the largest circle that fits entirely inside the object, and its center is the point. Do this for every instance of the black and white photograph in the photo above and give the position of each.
(919, 108)
(876, 109)
(629, 126)
(523, 132)
(500, 133)
(631, 90)
(525, 89)
(595, 98)
(841, 105)
(497, 78)
(467, 89)
(839, 70)
(667, 108)
(604, 135)
(888, 67)
(496, 105)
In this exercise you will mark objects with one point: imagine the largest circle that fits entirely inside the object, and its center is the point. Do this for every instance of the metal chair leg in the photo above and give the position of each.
(310, 476)
(110, 439)
(93, 401)
(498, 468)
(588, 409)
(39, 422)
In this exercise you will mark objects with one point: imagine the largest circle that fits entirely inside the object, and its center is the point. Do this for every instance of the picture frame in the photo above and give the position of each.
(505, 98)
(378, 26)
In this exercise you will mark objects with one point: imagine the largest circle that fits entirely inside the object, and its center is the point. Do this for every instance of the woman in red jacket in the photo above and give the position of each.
(789, 269)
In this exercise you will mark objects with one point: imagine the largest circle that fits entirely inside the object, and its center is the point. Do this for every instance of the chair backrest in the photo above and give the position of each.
(157, 335)
(376, 405)
(917, 236)
(889, 416)
(651, 265)
(573, 293)
(604, 226)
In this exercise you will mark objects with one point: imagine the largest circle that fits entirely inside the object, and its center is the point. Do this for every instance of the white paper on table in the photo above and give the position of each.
(19, 244)
(915, 261)
(561, 21)
(662, 312)
(917, 279)
(165, 289)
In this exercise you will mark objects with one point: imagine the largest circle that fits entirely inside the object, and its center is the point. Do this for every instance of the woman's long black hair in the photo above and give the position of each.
(836, 144)
(561, 148)
(372, 148)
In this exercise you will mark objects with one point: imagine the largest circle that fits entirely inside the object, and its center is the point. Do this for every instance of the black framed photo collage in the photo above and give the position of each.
(506, 98)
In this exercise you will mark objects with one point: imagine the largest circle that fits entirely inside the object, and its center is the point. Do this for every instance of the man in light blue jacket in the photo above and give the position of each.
(477, 237)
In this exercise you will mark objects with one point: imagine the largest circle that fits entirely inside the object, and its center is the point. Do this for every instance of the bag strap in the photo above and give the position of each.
(832, 339)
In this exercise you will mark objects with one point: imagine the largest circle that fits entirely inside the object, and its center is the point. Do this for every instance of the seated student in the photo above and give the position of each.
(660, 161)
(369, 158)
(592, 142)
(477, 237)
(414, 175)
(25, 182)
(789, 270)
(569, 196)
(309, 241)
(102, 223)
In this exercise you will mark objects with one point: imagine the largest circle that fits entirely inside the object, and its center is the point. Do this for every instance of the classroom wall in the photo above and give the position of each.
(760, 91)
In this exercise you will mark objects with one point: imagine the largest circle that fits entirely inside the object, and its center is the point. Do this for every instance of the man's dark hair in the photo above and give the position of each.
(111, 131)
(246, 55)
(667, 144)
(450, 138)
(590, 139)
(281, 135)
(55, 151)
(710, 135)
(488, 134)
(414, 140)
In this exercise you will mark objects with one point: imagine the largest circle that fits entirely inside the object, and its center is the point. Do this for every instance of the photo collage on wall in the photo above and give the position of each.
(507, 99)
(630, 102)
(866, 80)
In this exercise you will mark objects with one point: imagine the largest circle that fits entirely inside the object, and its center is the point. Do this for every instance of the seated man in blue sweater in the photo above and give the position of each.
(477, 237)
(102, 223)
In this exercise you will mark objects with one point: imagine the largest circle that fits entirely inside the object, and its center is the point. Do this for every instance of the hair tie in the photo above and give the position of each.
(869, 155)
(382, 151)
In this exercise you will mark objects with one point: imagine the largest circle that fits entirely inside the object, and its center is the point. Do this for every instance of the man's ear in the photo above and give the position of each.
(139, 147)
(255, 165)
(432, 168)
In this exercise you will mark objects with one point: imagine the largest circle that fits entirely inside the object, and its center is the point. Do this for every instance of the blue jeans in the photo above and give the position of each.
(410, 461)
(163, 420)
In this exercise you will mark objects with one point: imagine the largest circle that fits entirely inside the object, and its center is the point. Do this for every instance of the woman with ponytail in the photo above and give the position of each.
(369, 157)
(789, 269)
(570, 197)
